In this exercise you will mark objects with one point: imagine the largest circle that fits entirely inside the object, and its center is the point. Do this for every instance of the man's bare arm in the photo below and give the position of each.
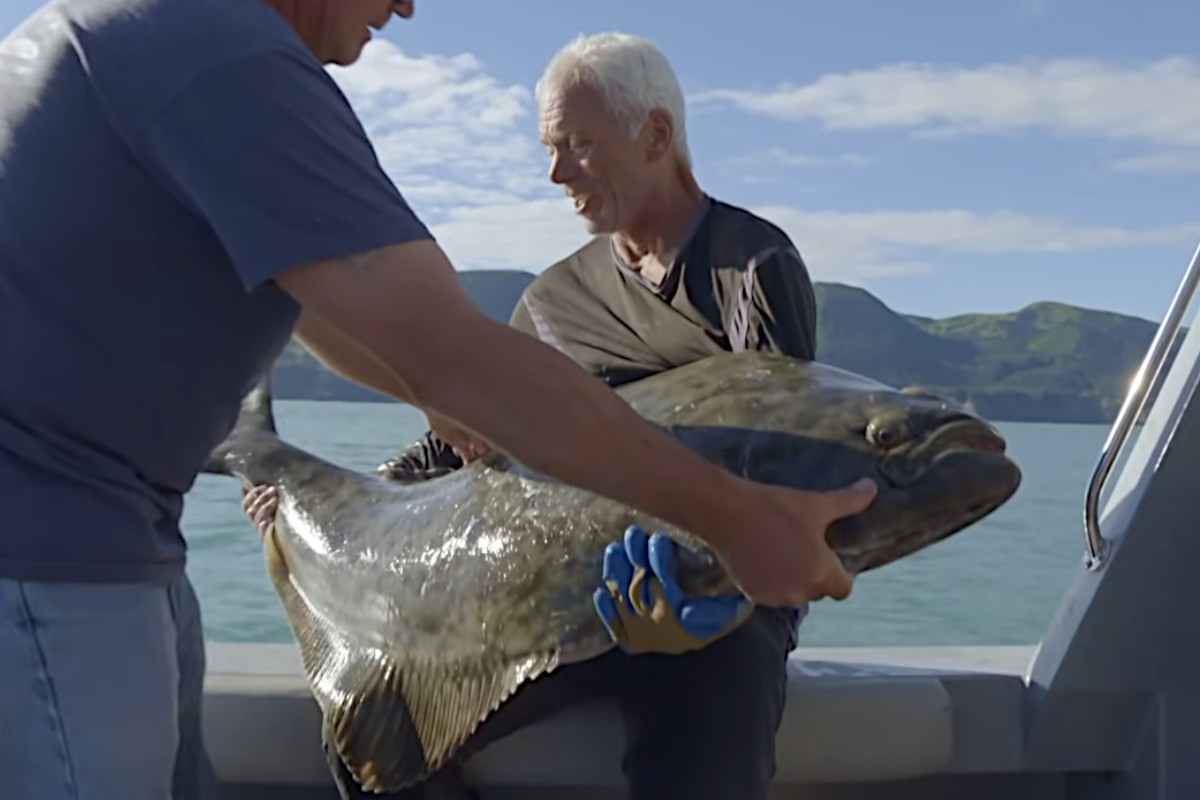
(341, 354)
(407, 307)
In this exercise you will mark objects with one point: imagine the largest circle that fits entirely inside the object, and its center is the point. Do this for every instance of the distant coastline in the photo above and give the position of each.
(1047, 362)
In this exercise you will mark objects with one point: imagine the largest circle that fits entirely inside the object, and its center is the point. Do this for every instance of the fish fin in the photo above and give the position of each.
(393, 721)
(399, 723)
(256, 413)
(255, 418)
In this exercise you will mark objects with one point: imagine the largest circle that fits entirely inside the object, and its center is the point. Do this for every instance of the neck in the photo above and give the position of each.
(668, 213)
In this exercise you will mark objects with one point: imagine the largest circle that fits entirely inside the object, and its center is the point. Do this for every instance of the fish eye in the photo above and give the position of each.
(886, 433)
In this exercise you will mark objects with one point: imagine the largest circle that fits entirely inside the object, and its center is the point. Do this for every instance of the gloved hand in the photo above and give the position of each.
(643, 607)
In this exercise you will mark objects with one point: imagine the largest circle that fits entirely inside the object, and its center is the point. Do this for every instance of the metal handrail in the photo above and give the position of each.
(1131, 409)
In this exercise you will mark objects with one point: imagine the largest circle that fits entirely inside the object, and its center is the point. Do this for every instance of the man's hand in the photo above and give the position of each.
(643, 607)
(260, 505)
(467, 444)
(781, 557)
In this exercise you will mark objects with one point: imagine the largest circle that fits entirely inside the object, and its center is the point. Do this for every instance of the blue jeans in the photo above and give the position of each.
(100, 692)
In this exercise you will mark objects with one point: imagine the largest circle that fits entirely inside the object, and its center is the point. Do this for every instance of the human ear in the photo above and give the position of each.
(659, 131)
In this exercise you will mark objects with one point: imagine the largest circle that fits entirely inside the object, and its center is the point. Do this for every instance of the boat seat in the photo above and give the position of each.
(845, 720)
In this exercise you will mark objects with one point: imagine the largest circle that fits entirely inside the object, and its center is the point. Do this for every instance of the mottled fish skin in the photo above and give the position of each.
(488, 572)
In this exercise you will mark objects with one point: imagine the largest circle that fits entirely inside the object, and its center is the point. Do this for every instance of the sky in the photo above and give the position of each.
(948, 156)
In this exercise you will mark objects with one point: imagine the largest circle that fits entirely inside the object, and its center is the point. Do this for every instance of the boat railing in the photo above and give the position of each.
(1132, 407)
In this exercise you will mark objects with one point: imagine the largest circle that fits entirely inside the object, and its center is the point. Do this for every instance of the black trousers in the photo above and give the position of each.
(699, 726)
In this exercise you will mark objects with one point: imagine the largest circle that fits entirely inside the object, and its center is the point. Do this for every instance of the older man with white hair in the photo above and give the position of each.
(671, 276)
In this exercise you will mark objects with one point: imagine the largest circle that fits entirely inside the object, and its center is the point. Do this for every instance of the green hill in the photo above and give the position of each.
(1047, 362)
(856, 331)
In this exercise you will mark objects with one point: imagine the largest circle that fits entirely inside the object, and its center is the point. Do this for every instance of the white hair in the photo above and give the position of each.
(632, 74)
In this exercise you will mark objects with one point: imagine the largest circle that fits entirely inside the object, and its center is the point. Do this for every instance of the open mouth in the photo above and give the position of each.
(983, 441)
(968, 435)
(580, 203)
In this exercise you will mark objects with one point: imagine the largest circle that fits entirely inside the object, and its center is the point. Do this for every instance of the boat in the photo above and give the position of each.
(1105, 706)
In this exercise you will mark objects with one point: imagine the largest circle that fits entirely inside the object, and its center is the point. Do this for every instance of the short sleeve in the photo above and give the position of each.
(268, 152)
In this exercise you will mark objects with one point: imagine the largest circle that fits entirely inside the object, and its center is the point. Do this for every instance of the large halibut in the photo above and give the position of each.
(418, 608)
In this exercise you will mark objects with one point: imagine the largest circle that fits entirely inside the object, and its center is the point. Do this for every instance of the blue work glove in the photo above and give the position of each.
(643, 607)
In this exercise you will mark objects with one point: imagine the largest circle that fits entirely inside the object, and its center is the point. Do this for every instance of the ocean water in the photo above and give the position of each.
(998, 582)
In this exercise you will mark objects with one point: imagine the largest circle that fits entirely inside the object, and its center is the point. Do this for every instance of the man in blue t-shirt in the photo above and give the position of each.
(183, 187)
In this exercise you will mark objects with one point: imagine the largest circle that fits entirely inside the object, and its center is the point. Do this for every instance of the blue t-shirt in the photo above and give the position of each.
(160, 162)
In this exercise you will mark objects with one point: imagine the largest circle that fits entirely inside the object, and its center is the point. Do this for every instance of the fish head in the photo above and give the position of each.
(939, 467)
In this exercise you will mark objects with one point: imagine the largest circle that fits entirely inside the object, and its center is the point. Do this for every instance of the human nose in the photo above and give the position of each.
(562, 169)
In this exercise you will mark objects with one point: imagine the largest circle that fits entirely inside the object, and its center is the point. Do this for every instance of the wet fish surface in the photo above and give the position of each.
(419, 607)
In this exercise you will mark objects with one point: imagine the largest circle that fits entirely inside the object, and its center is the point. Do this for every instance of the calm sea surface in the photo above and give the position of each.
(995, 583)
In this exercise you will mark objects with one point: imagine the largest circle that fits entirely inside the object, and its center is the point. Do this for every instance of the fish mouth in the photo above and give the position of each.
(954, 478)
(964, 434)
(967, 437)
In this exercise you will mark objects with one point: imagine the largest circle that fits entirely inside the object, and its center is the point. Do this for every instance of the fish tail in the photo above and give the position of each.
(256, 421)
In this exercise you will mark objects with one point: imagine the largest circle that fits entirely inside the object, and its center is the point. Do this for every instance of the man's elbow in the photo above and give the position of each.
(338, 290)
(404, 304)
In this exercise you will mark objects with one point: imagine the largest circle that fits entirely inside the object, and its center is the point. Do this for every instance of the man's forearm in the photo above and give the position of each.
(341, 354)
(407, 306)
(570, 412)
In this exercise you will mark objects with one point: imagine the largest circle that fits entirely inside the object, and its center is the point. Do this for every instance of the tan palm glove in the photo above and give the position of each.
(643, 607)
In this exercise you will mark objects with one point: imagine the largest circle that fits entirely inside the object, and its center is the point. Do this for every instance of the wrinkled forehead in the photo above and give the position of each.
(572, 109)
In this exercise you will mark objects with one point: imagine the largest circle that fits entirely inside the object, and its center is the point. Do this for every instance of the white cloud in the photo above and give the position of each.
(462, 146)
(529, 235)
(443, 127)
(771, 165)
(1155, 103)
(852, 247)
(442, 194)
(857, 246)
(1164, 162)
(782, 157)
